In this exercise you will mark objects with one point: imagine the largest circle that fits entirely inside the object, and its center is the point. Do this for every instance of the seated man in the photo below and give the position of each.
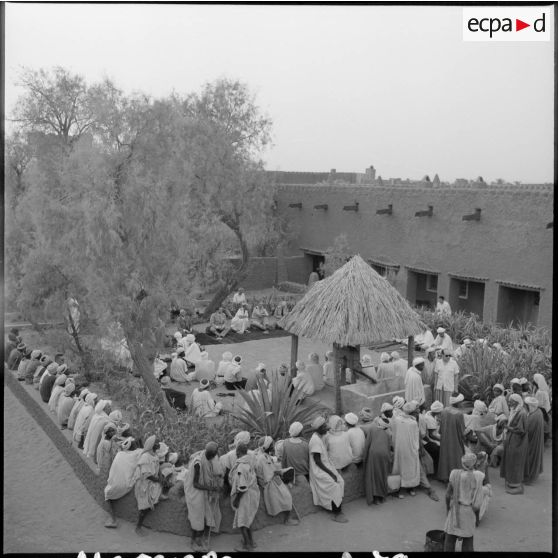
(184, 322)
(179, 368)
(241, 321)
(203, 403)
(233, 375)
(260, 318)
(218, 324)
(491, 440)
(176, 398)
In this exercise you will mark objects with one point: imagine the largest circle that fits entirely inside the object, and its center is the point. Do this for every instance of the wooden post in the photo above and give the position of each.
(294, 354)
(410, 350)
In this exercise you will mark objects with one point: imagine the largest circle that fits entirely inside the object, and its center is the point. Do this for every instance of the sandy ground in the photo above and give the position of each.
(47, 509)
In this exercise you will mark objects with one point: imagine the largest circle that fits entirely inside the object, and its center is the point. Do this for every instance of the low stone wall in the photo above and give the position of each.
(169, 515)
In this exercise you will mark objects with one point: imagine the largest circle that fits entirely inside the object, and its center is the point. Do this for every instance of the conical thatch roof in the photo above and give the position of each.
(355, 306)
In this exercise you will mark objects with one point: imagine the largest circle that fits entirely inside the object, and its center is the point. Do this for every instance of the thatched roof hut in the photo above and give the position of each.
(354, 306)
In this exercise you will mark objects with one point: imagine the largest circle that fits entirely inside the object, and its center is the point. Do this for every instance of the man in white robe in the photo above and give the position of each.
(203, 403)
(326, 483)
(399, 364)
(446, 377)
(443, 340)
(179, 368)
(443, 307)
(414, 390)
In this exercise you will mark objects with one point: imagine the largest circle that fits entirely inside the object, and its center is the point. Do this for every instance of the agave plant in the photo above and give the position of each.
(272, 416)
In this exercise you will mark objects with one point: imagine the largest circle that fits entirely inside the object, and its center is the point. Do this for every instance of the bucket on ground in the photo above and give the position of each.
(434, 541)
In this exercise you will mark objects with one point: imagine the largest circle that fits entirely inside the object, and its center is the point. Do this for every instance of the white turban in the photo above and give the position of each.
(515, 381)
(351, 418)
(173, 457)
(480, 407)
(410, 407)
(265, 442)
(418, 360)
(523, 381)
(458, 399)
(115, 416)
(35, 354)
(441, 330)
(466, 341)
(317, 422)
(398, 402)
(532, 402)
(125, 445)
(395, 355)
(437, 407)
(386, 407)
(295, 429)
(178, 335)
(384, 357)
(227, 355)
(241, 438)
(190, 338)
(366, 360)
(499, 386)
(300, 365)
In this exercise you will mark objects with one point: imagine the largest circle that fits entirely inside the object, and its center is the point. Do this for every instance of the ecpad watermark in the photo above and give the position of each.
(507, 24)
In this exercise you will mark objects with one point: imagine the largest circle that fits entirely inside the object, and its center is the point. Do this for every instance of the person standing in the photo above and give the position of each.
(329, 369)
(446, 377)
(202, 486)
(400, 365)
(414, 390)
(245, 495)
(452, 439)
(443, 340)
(356, 437)
(542, 393)
(326, 483)
(516, 446)
(147, 487)
(535, 437)
(315, 370)
(464, 498)
(386, 368)
(377, 457)
(443, 307)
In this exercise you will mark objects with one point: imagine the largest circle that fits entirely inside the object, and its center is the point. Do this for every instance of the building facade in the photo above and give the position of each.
(487, 249)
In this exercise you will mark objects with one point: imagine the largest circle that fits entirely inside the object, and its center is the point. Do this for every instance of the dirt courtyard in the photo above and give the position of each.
(47, 509)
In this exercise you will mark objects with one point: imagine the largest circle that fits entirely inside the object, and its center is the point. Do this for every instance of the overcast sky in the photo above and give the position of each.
(346, 87)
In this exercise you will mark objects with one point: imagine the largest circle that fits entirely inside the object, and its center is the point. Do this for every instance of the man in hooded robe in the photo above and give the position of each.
(314, 369)
(57, 390)
(205, 368)
(295, 452)
(386, 368)
(326, 483)
(535, 437)
(179, 367)
(414, 390)
(516, 446)
(202, 486)
(338, 443)
(452, 438)
(65, 405)
(245, 495)
(464, 497)
(377, 456)
(498, 406)
(76, 408)
(303, 380)
(192, 352)
(356, 437)
(32, 366)
(46, 383)
(443, 340)
(15, 357)
(203, 403)
(83, 419)
(329, 369)
(95, 430)
(542, 393)
(276, 494)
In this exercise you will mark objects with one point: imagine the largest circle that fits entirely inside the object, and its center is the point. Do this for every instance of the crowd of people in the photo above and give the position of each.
(398, 450)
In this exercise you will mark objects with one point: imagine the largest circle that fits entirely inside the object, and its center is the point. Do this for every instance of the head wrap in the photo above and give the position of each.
(60, 380)
(430, 350)
(121, 428)
(62, 368)
(204, 384)
(265, 442)
(107, 426)
(52, 368)
(467, 342)
(166, 469)
(260, 367)
(386, 407)
(300, 365)
(101, 405)
(313, 357)
(468, 460)
(36, 354)
(90, 398)
(237, 359)
(317, 422)
(516, 397)
(115, 416)
(180, 351)
(480, 406)
(366, 415)
(384, 357)
(499, 386)
(531, 402)
(83, 393)
(335, 423)
(329, 355)
(441, 330)
(395, 355)
(447, 352)
(165, 381)
(190, 338)
(295, 429)
(514, 381)
(21, 347)
(523, 381)
(173, 457)
(125, 445)
(351, 418)
(497, 346)
(481, 341)
(69, 380)
(366, 360)
(398, 402)
(453, 400)
(178, 335)
(69, 389)
(501, 418)
(541, 382)
(174, 355)
(204, 355)
(227, 355)
(242, 437)
(417, 361)
(149, 443)
(437, 407)
(410, 407)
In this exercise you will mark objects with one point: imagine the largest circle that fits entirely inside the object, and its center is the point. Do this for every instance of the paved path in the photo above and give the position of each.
(47, 509)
